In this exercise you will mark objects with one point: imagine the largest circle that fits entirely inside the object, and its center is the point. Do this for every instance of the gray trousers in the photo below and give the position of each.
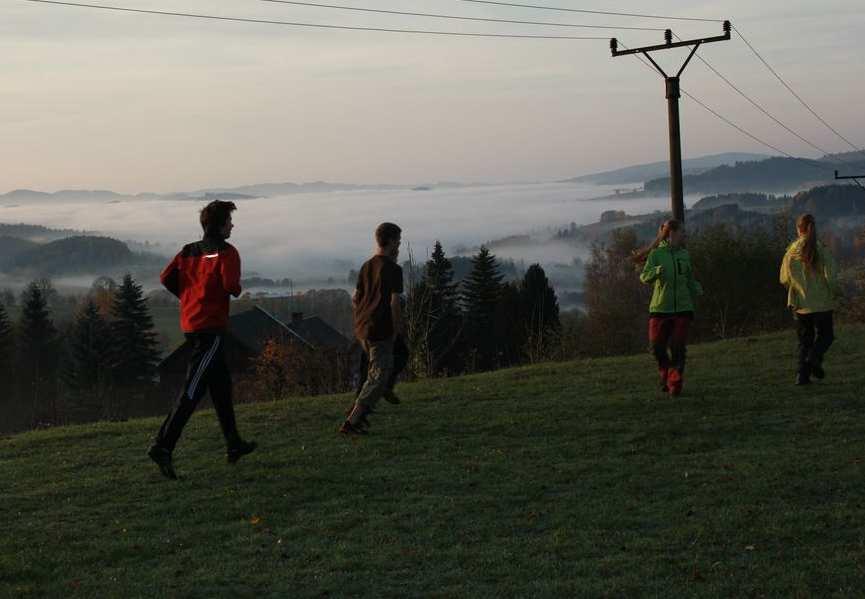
(380, 354)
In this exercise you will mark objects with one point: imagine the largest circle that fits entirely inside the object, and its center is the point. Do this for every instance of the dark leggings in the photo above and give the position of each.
(816, 334)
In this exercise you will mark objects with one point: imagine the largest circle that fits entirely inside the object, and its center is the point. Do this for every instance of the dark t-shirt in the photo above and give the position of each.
(379, 278)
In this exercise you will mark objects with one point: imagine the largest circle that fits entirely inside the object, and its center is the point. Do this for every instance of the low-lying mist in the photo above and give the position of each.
(316, 236)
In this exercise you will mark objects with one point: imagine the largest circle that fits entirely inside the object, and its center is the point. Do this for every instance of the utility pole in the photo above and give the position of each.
(673, 94)
(854, 177)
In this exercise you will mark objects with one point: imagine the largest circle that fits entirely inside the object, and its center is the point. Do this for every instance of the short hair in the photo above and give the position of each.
(385, 233)
(214, 216)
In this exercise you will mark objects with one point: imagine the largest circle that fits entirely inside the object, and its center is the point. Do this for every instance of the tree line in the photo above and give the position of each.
(94, 367)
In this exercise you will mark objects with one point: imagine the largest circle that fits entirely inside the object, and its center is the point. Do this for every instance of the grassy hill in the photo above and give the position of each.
(560, 480)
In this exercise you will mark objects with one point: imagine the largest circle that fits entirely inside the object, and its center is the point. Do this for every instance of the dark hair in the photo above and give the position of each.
(663, 234)
(808, 226)
(214, 216)
(385, 233)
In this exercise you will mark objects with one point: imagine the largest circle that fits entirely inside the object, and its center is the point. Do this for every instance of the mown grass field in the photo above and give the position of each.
(562, 480)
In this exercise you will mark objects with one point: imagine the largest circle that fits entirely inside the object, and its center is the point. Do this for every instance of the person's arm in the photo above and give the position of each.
(396, 314)
(651, 270)
(230, 263)
(396, 304)
(170, 276)
(785, 276)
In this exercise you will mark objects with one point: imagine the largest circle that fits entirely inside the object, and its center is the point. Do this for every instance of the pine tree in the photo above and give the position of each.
(36, 365)
(480, 294)
(540, 311)
(87, 364)
(5, 341)
(445, 319)
(134, 351)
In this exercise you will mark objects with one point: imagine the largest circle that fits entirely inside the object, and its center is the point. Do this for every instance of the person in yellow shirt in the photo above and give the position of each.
(809, 273)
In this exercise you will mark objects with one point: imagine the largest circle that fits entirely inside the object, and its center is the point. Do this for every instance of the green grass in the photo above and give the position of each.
(561, 480)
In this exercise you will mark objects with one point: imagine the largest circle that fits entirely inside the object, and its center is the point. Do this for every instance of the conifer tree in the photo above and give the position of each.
(480, 293)
(36, 365)
(540, 311)
(87, 364)
(5, 341)
(134, 346)
(445, 319)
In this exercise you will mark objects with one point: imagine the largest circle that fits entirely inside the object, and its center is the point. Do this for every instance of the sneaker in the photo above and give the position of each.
(390, 397)
(162, 458)
(238, 451)
(802, 379)
(348, 428)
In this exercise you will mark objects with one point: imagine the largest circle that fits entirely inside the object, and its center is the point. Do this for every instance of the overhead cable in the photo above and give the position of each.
(456, 17)
(795, 95)
(592, 12)
(311, 25)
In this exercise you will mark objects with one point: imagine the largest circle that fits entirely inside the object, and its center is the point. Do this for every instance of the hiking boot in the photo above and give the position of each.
(348, 428)
(162, 458)
(390, 397)
(238, 451)
(802, 379)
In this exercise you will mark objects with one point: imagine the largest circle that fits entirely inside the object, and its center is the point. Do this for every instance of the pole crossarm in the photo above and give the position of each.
(614, 44)
(854, 177)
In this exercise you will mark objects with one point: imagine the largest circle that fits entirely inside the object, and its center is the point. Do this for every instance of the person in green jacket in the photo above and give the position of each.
(668, 269)
(809, 273)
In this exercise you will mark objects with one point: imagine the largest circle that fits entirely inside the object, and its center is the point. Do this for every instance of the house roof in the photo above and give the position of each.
(253, 328)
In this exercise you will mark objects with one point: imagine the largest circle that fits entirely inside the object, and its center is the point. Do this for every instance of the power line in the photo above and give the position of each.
(756, 104)
(455, 17)
(795, 95)
(313, 25)
(738, 128)
(592, 12)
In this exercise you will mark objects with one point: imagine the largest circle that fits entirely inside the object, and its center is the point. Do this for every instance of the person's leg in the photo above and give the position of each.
(659, 332)
(805, 334)
(204, 348)
(380, 367)
(823, 322)
(363, 370)
(678, 350)
(219, 383)
(400, 361)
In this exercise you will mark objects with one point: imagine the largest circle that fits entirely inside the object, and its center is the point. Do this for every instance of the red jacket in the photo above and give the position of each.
(203, 275)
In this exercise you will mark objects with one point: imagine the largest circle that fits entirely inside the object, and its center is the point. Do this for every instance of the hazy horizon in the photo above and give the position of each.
(129, 102)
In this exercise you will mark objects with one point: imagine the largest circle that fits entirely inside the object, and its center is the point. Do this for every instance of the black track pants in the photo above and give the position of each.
(816, 333)
(207, 371)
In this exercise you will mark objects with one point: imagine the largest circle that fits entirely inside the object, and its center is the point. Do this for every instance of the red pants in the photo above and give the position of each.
(669, 332)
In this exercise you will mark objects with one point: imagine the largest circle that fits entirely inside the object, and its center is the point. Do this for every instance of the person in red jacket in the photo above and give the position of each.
(203, 275)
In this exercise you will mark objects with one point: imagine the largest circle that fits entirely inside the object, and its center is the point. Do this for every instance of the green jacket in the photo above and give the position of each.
(675, 289)
(809, 290)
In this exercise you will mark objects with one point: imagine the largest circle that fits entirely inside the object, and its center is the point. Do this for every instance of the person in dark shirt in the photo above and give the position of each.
(203, 275)
(377, 321)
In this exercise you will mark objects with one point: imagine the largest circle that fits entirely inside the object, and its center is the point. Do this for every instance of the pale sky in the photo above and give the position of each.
(105, 100)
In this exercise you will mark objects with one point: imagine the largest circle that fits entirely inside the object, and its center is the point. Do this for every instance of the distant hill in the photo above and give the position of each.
(35, 233)
(12, 246)
(830, 201)
(770, 175)
(76, 255)
(644, 172)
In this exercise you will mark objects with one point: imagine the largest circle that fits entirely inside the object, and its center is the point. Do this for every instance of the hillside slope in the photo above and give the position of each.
(561, 480)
